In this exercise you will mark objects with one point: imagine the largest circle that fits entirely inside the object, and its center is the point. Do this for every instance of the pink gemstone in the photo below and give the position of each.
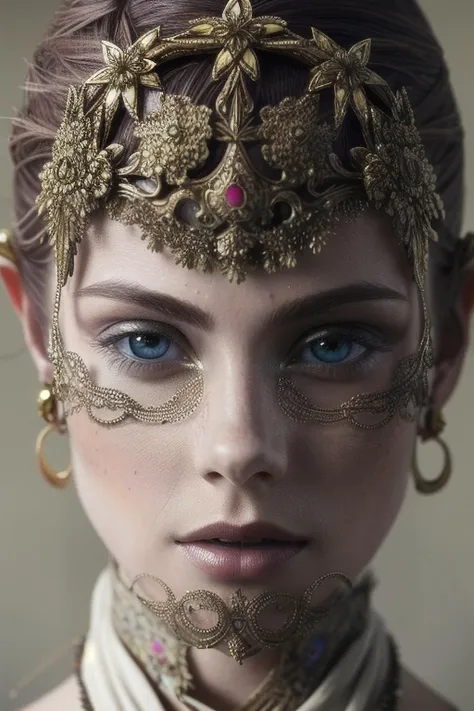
(235, 196)
(157, 647)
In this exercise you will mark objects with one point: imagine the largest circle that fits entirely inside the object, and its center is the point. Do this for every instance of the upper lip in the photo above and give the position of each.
(251, 531)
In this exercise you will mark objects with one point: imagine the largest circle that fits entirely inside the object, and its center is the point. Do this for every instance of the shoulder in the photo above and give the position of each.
(417, 695)
(65, 696)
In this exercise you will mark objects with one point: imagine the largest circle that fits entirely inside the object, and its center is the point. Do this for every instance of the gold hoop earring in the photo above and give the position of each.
(48, 410)
(432, 430)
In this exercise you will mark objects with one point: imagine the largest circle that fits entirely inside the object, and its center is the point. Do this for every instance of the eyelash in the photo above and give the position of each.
(372, 342)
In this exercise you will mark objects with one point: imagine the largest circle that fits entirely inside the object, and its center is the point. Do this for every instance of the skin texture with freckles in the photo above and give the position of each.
(238, 455)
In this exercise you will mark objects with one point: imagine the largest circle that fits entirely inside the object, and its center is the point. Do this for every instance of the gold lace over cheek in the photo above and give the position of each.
(408, 392)
(232, 216)
(77, 391)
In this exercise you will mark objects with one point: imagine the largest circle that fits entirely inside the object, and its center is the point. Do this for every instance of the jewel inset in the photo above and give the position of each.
(235, 196)
(158, 649)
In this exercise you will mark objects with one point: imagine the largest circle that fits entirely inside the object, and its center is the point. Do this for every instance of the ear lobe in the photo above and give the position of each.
(447, 377)
(455, 334)
(12, 282)
(33, 330)
(37, 341)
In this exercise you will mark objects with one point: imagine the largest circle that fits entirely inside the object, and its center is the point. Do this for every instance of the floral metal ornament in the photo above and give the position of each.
(125, 70)
(347, 72)
(399, 180)
(301, 154)
(241, 216)
(173, 140)
(75, 181)
(237, 32)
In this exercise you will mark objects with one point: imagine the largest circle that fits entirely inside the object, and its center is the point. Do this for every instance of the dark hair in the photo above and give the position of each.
(404, 51)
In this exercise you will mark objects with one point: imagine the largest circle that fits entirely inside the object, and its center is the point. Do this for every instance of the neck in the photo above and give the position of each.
(221, 684)
(213, 678)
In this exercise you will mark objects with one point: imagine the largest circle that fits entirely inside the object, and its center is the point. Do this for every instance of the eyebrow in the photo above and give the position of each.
(306, 307)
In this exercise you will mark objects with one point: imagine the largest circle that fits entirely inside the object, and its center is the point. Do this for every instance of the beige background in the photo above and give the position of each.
(49, 556)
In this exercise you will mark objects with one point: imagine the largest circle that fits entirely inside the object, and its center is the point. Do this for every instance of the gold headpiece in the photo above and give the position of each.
(233, 215)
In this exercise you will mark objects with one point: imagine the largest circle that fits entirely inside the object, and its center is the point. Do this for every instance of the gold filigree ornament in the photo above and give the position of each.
(75, 180)
(173, 140)
(125, 70)
(305, 659)
(233, 216)
(399, 180)
(300, 154)
(347, 72)
(202, 619)
(236, 33)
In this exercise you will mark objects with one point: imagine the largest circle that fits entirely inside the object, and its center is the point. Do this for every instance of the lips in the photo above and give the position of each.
(253, 543)
(229, 552)
(250, 533)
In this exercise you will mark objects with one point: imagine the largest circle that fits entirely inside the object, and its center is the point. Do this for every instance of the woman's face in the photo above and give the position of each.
(239, 458)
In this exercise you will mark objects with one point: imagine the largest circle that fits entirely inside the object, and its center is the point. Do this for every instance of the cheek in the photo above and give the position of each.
(359, 480)
(125, 478)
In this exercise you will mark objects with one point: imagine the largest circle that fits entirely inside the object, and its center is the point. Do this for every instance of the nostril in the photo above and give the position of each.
(241, 456)
(241, 476)
(213, 476)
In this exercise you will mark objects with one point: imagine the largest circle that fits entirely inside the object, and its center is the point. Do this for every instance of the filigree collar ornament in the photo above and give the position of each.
(232, 216)
(158, 640)
(203, 620)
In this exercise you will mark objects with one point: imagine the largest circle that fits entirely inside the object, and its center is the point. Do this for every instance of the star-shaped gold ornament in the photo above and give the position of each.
(125, 69)
(237, 31)
(347, 71)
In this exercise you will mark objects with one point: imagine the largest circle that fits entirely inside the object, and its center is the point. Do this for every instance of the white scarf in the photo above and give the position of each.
(114, 682)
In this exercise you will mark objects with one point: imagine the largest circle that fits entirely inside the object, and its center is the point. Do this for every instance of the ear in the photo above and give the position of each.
(453, 342)
(28, 314)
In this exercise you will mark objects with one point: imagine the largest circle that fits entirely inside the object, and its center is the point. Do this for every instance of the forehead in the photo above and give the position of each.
(363, 249)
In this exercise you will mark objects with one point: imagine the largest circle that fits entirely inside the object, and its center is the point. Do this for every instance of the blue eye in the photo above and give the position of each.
(147, 346)
(333, 349)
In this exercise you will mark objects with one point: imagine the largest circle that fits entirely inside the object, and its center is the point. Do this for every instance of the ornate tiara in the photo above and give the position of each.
(234, 215)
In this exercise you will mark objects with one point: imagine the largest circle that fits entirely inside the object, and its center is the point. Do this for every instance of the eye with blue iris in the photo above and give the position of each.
(333, 348)
(330, 350)
(147, 346)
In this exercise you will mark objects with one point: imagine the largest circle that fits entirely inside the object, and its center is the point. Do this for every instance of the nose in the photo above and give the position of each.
(242, 439)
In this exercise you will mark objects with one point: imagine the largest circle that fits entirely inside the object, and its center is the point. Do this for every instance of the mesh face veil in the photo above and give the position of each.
(233, 217)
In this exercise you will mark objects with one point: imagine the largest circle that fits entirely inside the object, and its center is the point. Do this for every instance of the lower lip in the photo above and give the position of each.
(228, 563)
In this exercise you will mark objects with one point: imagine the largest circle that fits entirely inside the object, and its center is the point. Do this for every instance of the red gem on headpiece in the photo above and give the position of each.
(235, 196)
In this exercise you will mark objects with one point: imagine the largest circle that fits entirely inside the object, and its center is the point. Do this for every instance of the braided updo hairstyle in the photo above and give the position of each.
(404, 51)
